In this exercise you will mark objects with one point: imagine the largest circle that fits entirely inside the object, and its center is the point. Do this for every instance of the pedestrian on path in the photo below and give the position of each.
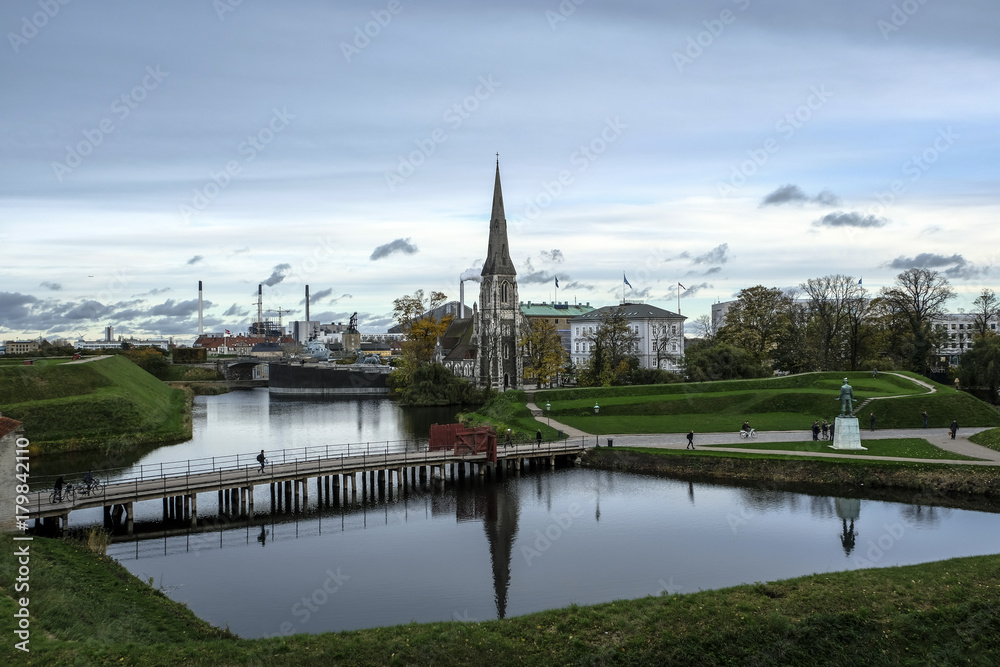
(261, 459)
(923, 416)
(538, 438)
(871, 421)
(825, 428)
(815, 430)
(954, 428)
(690, 439)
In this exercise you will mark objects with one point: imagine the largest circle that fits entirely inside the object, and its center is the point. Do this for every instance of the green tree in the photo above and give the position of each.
(612, 352)
(721, 362)
(916, 299)
(544, 349)
(153, 360)
(830, 299)
(980, 366)
(756, 320)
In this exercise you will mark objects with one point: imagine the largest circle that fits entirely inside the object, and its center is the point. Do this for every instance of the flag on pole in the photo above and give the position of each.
(557, 281)
(681, 286)
(859, 281)
(227, 332)
(625, 280)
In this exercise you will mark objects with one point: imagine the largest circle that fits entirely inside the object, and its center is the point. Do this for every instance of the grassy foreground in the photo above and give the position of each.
(772, 404)
(107, 404)
(87, 610)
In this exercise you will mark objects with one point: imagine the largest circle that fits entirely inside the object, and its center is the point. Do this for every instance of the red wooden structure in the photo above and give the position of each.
(464, 440)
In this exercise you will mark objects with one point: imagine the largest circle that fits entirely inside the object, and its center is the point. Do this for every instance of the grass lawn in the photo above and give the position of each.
(990, 438)
(86, 609)
(781, 404)
(913, 448)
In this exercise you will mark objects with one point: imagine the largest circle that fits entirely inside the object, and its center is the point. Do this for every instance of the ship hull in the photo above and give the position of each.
(328, 380)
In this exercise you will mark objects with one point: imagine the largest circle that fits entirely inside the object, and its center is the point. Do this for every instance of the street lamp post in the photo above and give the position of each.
(548, 415)
(597, 424)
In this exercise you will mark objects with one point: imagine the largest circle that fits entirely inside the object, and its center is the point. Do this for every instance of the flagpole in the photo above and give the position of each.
(678, 298)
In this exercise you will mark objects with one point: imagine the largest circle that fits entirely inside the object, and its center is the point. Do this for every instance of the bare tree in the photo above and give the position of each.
(829, 300)
(918, 297)
(985, 309)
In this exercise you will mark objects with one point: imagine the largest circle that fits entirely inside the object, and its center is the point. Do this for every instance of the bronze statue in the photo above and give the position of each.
(846, 399)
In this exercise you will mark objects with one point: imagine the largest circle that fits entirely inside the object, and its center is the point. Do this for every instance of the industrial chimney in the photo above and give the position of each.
(461, 297)
(201, 312)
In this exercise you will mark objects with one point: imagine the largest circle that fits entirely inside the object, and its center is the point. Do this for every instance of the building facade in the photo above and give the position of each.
(660, 335)
(960, 332)
(558, 314)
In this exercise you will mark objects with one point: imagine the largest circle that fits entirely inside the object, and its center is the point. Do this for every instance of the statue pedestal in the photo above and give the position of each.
(847, 434)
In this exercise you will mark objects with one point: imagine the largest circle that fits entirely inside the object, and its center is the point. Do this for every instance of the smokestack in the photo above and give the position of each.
(201, 312)
(260, 309)
(461, 297)
(307, 307)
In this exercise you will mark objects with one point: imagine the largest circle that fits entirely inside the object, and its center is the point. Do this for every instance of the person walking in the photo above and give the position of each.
(815, 430)
(871, 420)
(538, 438)
(262, 460)
(825, 428)
(923, 416)
(507, 441)
(954, 428)
(690, 437)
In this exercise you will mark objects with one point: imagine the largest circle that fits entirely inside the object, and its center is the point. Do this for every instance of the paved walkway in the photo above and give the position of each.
(936, 436)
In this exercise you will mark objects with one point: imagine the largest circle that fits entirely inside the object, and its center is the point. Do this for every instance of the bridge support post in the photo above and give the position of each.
(129, 523)
(304, 483)
(273, 503)
(552, 462)
(193, 498)
(250, 498)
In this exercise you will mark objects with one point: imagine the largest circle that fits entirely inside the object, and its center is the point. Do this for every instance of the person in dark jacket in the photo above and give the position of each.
(954, 428)
(690, 437)
(261, 459)
(538, 438)
(815, 430)
(871, 420)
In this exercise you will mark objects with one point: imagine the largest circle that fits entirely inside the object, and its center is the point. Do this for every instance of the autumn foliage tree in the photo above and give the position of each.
(545, 352)
(413, 314)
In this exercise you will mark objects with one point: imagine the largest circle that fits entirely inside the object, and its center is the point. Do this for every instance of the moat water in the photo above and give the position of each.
(479, 549)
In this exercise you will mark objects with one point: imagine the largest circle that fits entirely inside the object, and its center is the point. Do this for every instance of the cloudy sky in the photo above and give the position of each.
(351, 146)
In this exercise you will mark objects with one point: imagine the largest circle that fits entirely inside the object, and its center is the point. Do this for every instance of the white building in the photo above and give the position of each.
(959, 328)
(660, 334)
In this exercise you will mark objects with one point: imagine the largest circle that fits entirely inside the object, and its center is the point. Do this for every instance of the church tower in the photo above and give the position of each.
(499, 327)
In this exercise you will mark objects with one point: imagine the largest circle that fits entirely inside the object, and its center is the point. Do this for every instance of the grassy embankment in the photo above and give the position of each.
(107, 404)
(509, 411)
(990, 438)
(88, 610)
(771, 404)
(911, 448)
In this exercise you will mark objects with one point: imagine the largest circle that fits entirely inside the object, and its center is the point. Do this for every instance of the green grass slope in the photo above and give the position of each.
(782, 404)
(109, 404)
(86, 609)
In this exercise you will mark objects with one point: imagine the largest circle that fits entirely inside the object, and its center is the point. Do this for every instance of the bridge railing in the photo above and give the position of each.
(369, 453)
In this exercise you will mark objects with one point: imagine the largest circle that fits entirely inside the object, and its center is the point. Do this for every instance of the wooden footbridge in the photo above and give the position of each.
(335, 468)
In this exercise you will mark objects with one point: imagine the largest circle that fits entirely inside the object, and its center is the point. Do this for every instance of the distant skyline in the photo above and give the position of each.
(351, 146)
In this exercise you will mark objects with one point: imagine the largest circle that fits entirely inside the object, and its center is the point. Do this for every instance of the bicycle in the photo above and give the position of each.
(67, 493)
(748, 434)
(91, 487)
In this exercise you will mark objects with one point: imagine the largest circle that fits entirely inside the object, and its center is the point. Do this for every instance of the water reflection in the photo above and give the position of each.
(478, 549)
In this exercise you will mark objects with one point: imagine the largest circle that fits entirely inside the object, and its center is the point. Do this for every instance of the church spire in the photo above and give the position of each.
(497, 256)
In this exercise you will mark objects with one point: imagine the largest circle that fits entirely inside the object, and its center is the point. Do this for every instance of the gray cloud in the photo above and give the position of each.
(236, 311)
(716, 255)
(173, 308)
(793, 194)
(852, 219)
(953, 266)
(693, 290)
(195, 260)
(277, 275)
(315, 297)
(55, 287)
(555, 255)
(392, 247)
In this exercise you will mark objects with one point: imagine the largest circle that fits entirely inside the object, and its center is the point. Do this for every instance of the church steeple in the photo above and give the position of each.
(497, 255)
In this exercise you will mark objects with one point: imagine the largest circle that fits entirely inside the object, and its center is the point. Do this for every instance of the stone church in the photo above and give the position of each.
(486, 347)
